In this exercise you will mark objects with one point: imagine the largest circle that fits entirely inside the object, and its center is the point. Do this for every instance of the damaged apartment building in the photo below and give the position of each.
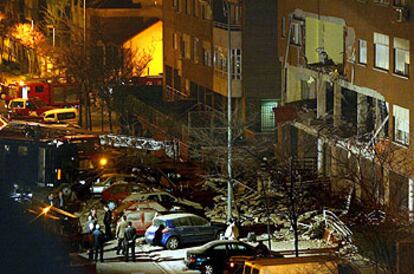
(346, 73)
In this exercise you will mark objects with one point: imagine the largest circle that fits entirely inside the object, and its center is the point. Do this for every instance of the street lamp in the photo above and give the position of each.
(227, 12)
(84, 26)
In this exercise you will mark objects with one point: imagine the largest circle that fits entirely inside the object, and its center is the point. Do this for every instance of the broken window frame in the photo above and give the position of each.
(401, 49)
(381, 45)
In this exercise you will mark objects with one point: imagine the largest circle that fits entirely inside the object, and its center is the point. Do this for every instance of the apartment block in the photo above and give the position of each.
(346, 71)
(197, 35)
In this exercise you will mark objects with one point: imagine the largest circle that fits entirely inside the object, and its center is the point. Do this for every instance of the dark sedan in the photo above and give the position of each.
(212, 257)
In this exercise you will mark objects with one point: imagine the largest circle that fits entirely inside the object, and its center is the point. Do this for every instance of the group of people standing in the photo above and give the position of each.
(125, 234)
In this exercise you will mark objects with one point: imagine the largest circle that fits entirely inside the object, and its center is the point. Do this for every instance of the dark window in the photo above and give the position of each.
(117, 189)
(154, 198)
(39, 89)
(255, 271)
(182, 222)
(168, 75)
(167, 199)
(349, 109)
(197, 221)
(17, 105)
(329, 98)
(66, 116)
(30, 106)
(247, 269)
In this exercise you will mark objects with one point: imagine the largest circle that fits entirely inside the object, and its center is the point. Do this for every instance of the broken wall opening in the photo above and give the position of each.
(319, 33)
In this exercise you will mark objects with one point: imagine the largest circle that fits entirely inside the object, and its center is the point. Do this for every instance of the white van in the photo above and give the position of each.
(61, 116)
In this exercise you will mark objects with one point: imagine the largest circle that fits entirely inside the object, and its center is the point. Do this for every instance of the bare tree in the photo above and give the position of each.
(83, 61)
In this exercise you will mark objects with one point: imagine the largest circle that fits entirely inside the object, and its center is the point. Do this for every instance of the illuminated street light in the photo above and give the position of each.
(103, 162)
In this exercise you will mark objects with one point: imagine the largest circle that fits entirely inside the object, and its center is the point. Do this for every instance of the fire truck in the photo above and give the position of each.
(33, 153)
(57, 94)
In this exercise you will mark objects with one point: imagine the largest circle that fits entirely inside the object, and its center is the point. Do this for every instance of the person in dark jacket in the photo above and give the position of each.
(107, 222)
(158, 235)
(98, 243)
(130, 236)
(262, 250)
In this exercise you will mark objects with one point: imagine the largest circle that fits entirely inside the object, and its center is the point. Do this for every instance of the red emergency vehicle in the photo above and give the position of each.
(53, 94)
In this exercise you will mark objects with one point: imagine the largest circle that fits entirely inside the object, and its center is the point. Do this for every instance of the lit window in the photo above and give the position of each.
(401, 124)
(401, 56)
(381, 48)
(267, 115)
(362, 56)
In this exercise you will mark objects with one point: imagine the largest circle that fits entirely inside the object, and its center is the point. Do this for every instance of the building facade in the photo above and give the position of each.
(196, 42)
(346, 68)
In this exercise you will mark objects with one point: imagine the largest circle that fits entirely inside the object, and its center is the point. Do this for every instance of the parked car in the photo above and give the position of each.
(180, 229)
(165, 199)
(31, 107)
(141, 219)
(117, 192)
(108, 179)
(61, 116)
(212, 257)
(128, 207)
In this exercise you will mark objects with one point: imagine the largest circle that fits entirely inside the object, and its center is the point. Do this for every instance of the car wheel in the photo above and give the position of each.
(173, 243)
(208, 269)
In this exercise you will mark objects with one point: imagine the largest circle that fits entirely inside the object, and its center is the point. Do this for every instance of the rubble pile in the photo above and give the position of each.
(251, 211)
(312, 225)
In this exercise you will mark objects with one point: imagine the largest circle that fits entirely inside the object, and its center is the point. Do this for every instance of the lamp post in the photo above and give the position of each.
(227, 12)
(84, 26)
